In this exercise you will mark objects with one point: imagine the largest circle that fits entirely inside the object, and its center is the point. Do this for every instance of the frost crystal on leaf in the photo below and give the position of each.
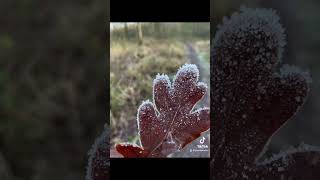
(252, 98)
(99, 164)
(170, 123)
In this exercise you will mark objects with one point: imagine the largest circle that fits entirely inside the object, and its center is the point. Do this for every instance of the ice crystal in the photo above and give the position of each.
(99, 164)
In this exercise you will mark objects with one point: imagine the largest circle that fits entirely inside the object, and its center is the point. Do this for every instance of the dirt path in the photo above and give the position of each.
(204, 71)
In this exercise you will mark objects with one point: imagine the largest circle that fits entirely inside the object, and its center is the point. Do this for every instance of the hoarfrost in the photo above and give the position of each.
(169, 123)
(253, 96)
(99, 163)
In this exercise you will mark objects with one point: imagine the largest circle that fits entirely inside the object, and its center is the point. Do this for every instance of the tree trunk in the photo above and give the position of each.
(126, 31)
(140, 34)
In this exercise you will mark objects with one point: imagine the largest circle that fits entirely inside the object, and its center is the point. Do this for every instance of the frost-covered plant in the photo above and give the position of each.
(170, 123)
(253, 95)
(99, 163)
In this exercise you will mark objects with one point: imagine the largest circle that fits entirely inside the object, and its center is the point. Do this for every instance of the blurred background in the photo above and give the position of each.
(301, 21)
(53, 89)
(138, 52)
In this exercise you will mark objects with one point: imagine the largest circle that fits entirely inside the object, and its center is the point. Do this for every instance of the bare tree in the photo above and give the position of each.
(140, 33)
(126, 31)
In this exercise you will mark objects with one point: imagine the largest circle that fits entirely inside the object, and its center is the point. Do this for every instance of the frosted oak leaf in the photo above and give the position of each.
(253, 95)
(170, 122)
(99, 162)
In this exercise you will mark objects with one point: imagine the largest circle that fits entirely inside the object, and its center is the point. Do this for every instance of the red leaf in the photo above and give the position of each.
(131, 150)
(170, 123)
